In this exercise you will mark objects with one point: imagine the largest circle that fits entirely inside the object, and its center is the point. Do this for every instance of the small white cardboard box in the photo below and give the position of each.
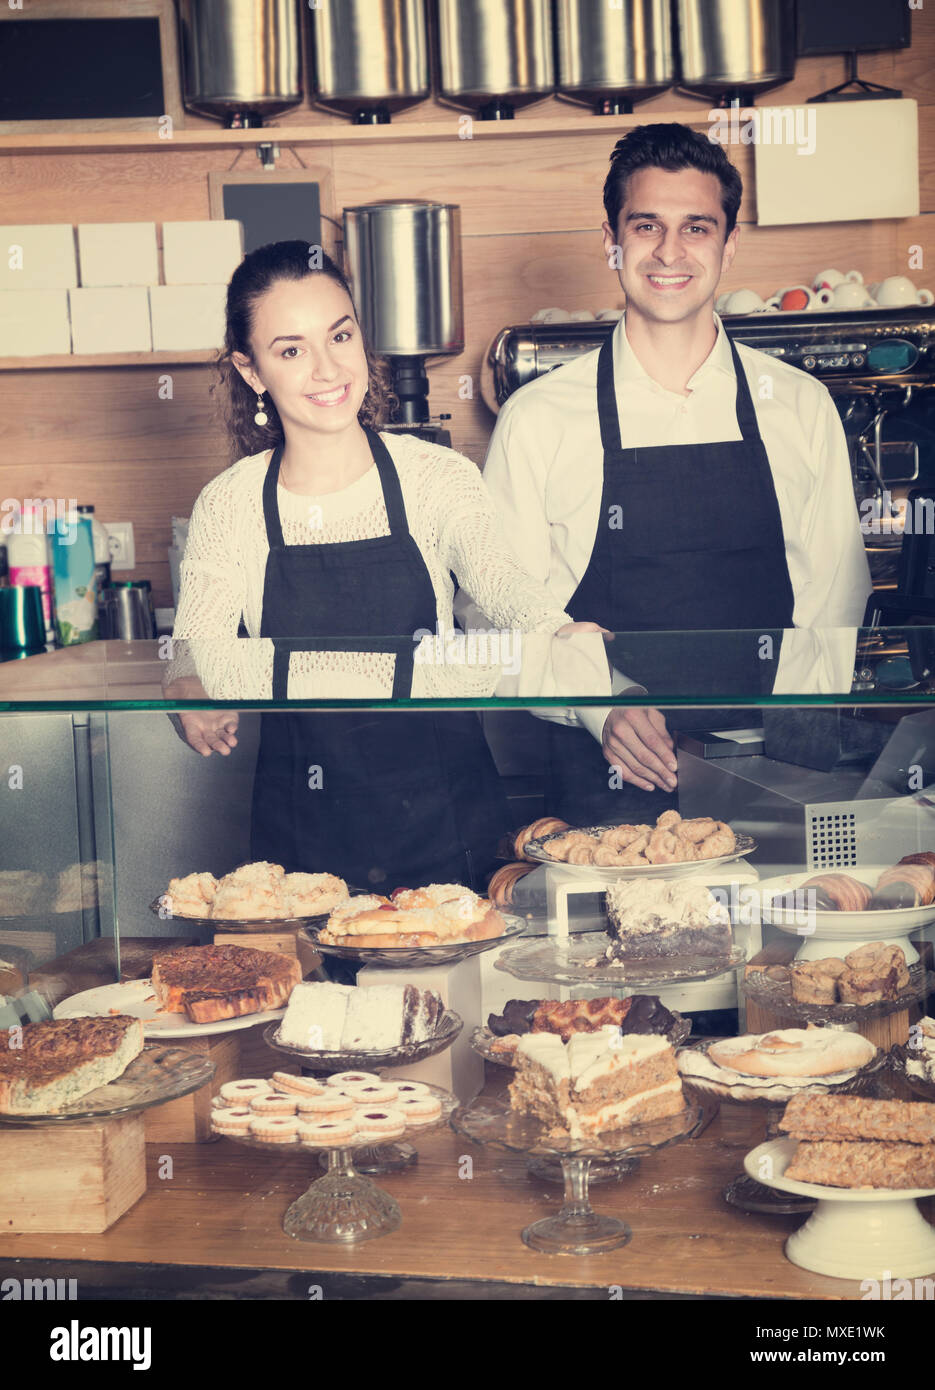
(118, 253)
(186, 317)
(38, 257)
(110, 320)
(201, 253)
(34, 322)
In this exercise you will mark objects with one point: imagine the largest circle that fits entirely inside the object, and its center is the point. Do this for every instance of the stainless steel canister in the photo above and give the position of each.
(604, 52)
(404, 261)
(369, 54)
(126, 611)
(240, 56)
(488, 49)
(747, 45)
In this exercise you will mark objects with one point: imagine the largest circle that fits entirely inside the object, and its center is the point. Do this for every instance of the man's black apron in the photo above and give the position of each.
(689, 542)
(383, 799)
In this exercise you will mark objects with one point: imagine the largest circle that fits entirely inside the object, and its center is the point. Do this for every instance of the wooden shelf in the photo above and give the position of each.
(108, 359)
(119, 141)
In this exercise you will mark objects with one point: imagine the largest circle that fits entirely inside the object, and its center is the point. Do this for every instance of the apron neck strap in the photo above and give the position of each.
(270, 501)
(607, 398)
(389, 481)
(746, 415)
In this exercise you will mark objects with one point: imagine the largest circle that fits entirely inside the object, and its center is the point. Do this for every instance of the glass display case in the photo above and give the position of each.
(783, 776)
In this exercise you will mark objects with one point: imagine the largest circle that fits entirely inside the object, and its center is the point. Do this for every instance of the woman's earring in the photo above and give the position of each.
(261, 417)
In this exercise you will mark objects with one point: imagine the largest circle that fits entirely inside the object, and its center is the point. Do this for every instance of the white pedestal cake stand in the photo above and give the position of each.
(878, 1235)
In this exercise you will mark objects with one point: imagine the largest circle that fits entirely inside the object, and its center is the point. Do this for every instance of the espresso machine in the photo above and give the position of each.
(878, 364)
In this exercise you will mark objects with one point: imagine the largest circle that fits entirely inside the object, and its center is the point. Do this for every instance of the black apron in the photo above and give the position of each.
(384, 800)
(689, 542)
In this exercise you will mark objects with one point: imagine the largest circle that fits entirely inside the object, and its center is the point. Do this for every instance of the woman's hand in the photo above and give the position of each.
(210, 731)
(573, 629)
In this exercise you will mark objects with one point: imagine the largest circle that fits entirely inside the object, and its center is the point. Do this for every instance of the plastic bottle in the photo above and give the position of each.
(101, 548)
(28, 562)
(75, 581)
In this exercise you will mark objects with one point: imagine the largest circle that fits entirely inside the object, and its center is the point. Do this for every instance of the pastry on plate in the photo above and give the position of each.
(793, 1052)
(211, 983)
(192, 896)
(657, 918)
(439, 914)
(48, 1065)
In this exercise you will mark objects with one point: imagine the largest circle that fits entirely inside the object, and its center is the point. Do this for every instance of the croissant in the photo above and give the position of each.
(923, 857)
(833, 893)
(547, 825)
(904, 885)
(503, 881)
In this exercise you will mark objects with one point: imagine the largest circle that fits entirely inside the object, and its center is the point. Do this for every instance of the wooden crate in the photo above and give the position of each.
(188, 1119)
(80, 1178)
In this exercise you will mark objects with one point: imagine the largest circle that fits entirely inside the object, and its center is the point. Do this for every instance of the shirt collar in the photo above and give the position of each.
(629, 370)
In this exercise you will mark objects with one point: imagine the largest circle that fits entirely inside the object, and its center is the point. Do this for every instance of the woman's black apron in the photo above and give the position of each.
(689, 543)
(383, 799)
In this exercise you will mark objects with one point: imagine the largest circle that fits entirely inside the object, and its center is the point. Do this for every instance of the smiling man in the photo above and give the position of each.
(674, 481)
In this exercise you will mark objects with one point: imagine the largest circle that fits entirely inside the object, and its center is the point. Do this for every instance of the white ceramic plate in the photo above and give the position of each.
(875, 1234)
(891, 926)
(136, 998)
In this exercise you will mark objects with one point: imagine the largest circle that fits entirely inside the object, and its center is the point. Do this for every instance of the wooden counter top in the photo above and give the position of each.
(90, 671)
(216, 1222)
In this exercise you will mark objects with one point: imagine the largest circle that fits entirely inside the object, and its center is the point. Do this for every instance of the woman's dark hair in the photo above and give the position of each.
(672, 147)
(257, 273)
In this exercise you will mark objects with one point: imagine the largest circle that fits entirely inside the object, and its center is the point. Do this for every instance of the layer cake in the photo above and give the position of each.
(595, 1082)
(658, 918)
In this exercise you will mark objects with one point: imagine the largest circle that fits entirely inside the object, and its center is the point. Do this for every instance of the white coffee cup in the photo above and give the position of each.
(849, 295)
(830, 279)
(804, 299)
(743, 302)
(898, 291)
(551, 316)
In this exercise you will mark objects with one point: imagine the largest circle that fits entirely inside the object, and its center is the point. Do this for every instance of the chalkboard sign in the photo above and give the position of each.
(275, 211)
(80, 69)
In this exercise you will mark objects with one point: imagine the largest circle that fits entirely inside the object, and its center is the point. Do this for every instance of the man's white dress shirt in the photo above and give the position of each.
(544, 469)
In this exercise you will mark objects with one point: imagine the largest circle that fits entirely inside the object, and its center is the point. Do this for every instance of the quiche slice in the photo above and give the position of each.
(62, 1060)
(210, 983)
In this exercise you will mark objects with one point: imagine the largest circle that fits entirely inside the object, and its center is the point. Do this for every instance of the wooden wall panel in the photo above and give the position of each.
(531, 209)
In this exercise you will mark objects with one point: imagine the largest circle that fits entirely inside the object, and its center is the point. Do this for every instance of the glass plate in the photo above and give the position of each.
(776, 996)
(482, 1040)
(491, 1121)
(538, 851)
(416, 957)
(242, 924)
(158, 1074)
(901, 1056)
(449, 1026)
(561, 961)
(772, 1090)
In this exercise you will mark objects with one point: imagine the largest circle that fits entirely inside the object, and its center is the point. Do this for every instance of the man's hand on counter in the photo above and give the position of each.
(638, 743)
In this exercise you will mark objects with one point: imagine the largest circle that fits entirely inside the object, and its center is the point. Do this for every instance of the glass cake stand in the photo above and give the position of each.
(577, 1229)
(563, 960)
(246, 925)
(415, 957)
(343, 1207)
(744, 1191)
(157, 1075)
(550, 1169)
(776, 996)
(375, 1158)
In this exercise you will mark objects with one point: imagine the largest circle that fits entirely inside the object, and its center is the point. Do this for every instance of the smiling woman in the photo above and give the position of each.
(337, 545)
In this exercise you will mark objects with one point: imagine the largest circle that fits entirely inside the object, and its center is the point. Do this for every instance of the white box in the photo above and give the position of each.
(459, 1068)
(34, 322)
(118, 253)
(43, 257)
(110, 320)
(201, 253)
(185, 317)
